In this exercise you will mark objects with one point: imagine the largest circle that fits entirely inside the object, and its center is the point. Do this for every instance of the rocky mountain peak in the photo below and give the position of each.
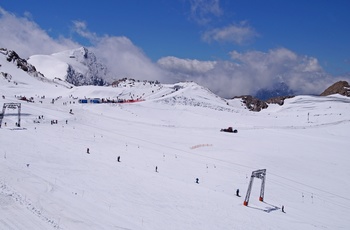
(340, 87)
(83, 55)
(84, 52)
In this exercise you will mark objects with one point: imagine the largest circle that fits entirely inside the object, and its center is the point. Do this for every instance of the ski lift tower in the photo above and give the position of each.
(261, 174)
(11, 106)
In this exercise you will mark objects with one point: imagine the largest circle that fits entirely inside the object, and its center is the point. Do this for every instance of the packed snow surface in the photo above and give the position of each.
(48, 180)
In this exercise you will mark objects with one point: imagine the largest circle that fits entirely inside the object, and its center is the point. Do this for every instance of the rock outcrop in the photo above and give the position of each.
(340, 87)
(21, 63)
(30, 70)
(252, 103)
(278, 100)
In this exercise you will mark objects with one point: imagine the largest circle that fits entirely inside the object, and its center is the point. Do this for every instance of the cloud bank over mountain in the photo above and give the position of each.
(27, 38)
(251, 71)
(244, 73)
(121, 56)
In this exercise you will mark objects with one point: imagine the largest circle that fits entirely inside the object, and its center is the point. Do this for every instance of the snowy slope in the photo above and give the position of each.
(45, 62)
(48, 181)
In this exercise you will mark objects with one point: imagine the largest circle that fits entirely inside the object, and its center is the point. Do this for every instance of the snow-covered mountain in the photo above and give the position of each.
(16, 72)
(60, 169)
(78, 67)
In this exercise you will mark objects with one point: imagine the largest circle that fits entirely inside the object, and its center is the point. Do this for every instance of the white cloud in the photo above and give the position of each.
(202, 11)
(124, 59)
(252, 71)
(80, 28)
(205, 11)
(301, 73)
(246, 73)
(177, 69)
(186, 65)
(120, 55)
(27, 38)
(236, 33)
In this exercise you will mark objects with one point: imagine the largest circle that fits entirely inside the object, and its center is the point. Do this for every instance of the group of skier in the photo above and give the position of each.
(196, 180)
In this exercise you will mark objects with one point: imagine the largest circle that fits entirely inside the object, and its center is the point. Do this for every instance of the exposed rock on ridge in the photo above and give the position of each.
(252, 103)
(278, 100)
(12, 56)
(21, 63)
(340, 87)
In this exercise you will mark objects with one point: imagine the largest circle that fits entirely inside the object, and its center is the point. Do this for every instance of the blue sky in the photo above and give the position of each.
(201, 33)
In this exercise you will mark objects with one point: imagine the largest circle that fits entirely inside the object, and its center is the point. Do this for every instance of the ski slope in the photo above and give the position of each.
(49, 181)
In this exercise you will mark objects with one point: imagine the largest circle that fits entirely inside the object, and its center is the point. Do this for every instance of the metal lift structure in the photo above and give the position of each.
(11, 106)
(261, 174)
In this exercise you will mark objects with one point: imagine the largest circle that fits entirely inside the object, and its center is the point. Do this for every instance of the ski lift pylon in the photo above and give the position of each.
(261, 174)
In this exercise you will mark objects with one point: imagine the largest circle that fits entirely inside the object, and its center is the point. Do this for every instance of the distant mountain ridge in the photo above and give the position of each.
(80, 67)
(257, 104)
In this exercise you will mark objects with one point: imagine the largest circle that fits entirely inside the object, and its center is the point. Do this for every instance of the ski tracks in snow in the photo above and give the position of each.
(9, 196)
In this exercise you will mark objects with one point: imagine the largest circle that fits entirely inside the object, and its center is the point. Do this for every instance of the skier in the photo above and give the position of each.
(118, 158)
(282, 208)
(197, 180)
(237, 192)
(156, 168)
(88, 151)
